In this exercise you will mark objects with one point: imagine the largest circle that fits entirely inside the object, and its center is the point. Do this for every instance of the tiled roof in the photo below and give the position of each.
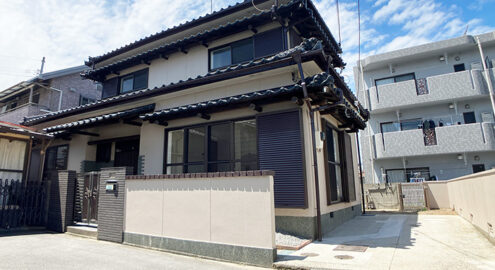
(265, 16)
(216, 14)
(127, 114)
(314, 84)
(169, 31)
(306, 46)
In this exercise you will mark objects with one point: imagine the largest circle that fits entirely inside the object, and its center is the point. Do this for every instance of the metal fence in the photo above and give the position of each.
(21, 204)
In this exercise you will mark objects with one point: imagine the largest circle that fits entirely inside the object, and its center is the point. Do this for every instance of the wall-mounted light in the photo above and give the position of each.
(451, 106)
(442, 58)
(467, 106)
(460, 157)
(477, 158)
(457, 58)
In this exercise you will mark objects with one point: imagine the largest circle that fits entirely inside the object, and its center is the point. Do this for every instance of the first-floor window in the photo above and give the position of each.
(408, 175)
(218, 147)
(56, 157)
(334, 168)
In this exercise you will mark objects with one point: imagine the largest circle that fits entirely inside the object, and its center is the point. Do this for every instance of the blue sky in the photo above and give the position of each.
(66, 32)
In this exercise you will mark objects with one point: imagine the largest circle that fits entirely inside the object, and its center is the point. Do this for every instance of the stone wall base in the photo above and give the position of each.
(238, 254)
(306, 226)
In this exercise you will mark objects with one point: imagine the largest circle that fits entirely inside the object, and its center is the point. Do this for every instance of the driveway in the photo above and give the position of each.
(397, 242)
(62, 251)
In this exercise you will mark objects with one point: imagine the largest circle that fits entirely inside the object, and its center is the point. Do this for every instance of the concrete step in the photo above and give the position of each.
(85, 231)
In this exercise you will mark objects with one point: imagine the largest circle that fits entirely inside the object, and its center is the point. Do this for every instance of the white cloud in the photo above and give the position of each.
(66, 32)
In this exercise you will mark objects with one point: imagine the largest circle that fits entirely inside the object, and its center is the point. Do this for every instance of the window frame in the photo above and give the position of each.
(405, 173)
(206, 162)
(340, 164)
(253, 42)
(395, 77)
(228, 45)
(133, 75)
(66, 159)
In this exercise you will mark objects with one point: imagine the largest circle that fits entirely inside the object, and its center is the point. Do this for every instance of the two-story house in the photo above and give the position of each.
(46, 93)
(236, 90)
(431, 110)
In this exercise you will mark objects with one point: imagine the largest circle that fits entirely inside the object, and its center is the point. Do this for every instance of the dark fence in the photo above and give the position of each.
(21, 204)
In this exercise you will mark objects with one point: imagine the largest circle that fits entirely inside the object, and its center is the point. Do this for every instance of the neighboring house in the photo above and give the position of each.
(15, 151)
(48, 92)
(431, 114)
(224, 93)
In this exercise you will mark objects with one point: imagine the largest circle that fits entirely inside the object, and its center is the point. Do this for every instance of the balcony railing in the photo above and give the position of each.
(445, 87)
(448, 139)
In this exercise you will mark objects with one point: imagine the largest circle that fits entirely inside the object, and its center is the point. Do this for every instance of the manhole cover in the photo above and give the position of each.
(309, 254)
(351, 248)
(344, 257)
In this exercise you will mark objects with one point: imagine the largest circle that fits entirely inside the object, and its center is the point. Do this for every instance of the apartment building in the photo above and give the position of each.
(431, 115)
(47, 92)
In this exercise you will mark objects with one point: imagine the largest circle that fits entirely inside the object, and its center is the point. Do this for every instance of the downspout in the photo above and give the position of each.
(363, 208)
(487, 75)
(297, 58)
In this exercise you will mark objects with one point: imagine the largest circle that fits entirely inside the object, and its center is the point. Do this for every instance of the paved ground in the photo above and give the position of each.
(399, 242)
(61, 251)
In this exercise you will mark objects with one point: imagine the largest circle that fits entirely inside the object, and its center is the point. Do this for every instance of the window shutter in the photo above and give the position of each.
(349, 167)
(268, 43)
(280, 148)
(110, 88)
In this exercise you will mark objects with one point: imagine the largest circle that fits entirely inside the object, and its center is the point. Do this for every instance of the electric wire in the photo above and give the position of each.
(338, 20)
(260, 10)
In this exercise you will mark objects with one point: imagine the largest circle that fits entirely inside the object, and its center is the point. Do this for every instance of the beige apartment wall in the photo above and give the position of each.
(437, 195)
(227, 210)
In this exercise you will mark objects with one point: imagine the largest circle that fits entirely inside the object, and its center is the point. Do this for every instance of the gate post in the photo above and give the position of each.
(111, 203)
(61, 201)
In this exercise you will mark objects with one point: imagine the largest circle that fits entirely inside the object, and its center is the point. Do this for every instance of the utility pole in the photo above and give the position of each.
(42, 65)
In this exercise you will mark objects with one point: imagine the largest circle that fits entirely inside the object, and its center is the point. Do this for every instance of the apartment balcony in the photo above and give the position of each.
(457, 139)
(436, 89)
(17, 114)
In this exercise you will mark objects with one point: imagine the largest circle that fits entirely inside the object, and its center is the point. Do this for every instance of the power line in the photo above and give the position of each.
(338, 20)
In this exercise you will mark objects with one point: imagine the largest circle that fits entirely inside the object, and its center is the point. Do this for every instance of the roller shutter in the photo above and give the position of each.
(280, 148)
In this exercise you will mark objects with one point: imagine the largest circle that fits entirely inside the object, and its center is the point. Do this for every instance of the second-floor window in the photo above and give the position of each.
(395, 79)
(85, 100)
(260, 45)
(134, 81)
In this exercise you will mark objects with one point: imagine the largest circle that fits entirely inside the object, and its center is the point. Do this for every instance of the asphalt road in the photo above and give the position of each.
(47, 250)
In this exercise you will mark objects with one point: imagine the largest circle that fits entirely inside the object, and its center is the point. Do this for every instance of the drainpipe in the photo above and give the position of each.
(297, 58)
(487, 74)
(363, 208)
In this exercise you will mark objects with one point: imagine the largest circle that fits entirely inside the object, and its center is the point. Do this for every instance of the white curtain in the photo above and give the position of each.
(12, 154)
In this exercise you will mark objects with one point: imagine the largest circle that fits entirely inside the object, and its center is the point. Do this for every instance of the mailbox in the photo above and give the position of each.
(111, 185)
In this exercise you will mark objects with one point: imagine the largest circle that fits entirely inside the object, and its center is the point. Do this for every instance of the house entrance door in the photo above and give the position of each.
(127, 154)
(90, 198)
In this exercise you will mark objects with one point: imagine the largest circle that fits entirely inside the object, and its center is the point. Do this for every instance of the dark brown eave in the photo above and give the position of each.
(176, 29)
(316, 55)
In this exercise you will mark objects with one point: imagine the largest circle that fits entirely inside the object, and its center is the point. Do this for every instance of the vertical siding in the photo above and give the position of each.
(280, 148)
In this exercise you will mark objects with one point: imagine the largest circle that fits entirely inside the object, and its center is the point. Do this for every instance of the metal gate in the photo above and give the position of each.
(21, 204)
(89, 209)
(413, 196)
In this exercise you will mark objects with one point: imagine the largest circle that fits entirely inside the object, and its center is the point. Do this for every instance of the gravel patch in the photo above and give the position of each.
(287, 240)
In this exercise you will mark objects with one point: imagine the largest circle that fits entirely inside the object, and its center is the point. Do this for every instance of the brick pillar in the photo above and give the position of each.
(111, 204)
(61, 201)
